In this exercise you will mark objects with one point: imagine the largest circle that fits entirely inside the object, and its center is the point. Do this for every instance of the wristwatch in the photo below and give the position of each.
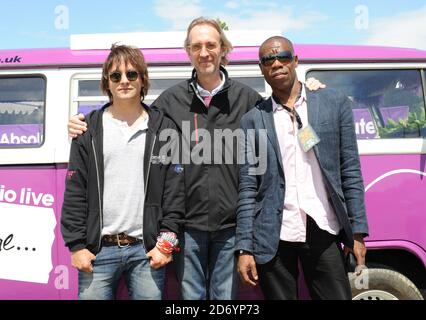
(244, 252)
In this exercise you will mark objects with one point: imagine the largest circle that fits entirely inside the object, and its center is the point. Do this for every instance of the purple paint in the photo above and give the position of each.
(85, 109)
(21, 134)
(395, 203)
(40, 180)
(336, 53)
(364, 124)
(394, 113)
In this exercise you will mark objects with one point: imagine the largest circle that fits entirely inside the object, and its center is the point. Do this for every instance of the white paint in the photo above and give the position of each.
(32, 227)
(391, 173)
(172, 39)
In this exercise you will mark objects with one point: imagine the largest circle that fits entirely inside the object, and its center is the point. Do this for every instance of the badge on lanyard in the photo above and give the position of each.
(307, 138)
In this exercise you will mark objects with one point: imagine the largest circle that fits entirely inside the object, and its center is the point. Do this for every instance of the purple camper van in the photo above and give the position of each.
(41, 88)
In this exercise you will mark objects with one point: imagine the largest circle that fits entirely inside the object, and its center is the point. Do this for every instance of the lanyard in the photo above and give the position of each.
(292, 111)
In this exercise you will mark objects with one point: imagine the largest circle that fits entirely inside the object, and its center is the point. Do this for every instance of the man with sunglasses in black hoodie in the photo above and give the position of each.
(121, 215)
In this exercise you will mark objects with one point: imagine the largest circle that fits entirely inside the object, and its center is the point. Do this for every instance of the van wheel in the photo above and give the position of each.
(382, 284)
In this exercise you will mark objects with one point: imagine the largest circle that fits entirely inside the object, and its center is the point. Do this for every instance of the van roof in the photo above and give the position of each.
(64, 57)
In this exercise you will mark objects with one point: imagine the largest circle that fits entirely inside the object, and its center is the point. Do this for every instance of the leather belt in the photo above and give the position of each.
(121, 240)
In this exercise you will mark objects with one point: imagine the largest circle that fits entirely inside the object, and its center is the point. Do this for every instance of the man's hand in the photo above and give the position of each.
(314, 84)
(76, 125)
(158, 259)
(82, 260)
(246, 267)
(359, 251)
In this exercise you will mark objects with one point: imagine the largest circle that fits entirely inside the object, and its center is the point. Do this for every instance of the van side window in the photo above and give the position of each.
(89, 96)
(22, 108)
(157, 86)
(386, 103)
(256, 83)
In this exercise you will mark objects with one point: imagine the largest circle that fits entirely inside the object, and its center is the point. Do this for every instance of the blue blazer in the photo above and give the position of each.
(261, 196)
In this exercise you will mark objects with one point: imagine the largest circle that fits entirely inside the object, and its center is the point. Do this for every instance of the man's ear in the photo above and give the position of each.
(296, 61)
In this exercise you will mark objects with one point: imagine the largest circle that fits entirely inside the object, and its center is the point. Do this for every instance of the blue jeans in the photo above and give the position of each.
(205, 267)
(113, 262)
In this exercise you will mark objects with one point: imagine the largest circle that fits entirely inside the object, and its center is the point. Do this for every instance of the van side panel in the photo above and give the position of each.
(30, 201)
(395, 189)
(35, 264)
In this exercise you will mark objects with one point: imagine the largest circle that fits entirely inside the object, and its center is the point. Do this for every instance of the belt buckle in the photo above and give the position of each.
(119, 244)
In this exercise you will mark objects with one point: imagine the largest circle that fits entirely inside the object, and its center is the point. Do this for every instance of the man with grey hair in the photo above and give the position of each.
(209, 100)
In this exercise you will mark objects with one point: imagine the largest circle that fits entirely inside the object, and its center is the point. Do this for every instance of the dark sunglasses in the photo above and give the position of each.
(282, 56)
(131, 75)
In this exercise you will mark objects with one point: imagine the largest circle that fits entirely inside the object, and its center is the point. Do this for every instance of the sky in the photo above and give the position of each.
(49, 23)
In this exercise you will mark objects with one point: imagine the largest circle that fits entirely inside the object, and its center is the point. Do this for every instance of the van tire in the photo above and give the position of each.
(382, 284)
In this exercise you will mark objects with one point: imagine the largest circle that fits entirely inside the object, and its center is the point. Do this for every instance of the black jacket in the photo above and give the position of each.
(211, 189)
(81, 220)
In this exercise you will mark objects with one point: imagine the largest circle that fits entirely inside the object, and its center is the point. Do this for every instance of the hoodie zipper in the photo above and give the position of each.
(149, 167)
(196, 127)
(196, 114)
(147, 175)
(99, 194)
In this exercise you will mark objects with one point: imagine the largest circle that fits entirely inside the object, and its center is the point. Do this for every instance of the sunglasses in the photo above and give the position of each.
(131, 75)
(282, 56)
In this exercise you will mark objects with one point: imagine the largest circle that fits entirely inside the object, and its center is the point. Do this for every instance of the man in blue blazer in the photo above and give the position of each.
(309, 197)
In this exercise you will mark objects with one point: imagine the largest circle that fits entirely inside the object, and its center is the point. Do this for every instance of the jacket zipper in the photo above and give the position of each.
(196, 114)
(196, 127)
(197, 93)
(99, 194)
(147, 175)
(149, 166)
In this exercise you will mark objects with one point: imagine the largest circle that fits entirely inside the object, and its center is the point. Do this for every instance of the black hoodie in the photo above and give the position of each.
(81, 220)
